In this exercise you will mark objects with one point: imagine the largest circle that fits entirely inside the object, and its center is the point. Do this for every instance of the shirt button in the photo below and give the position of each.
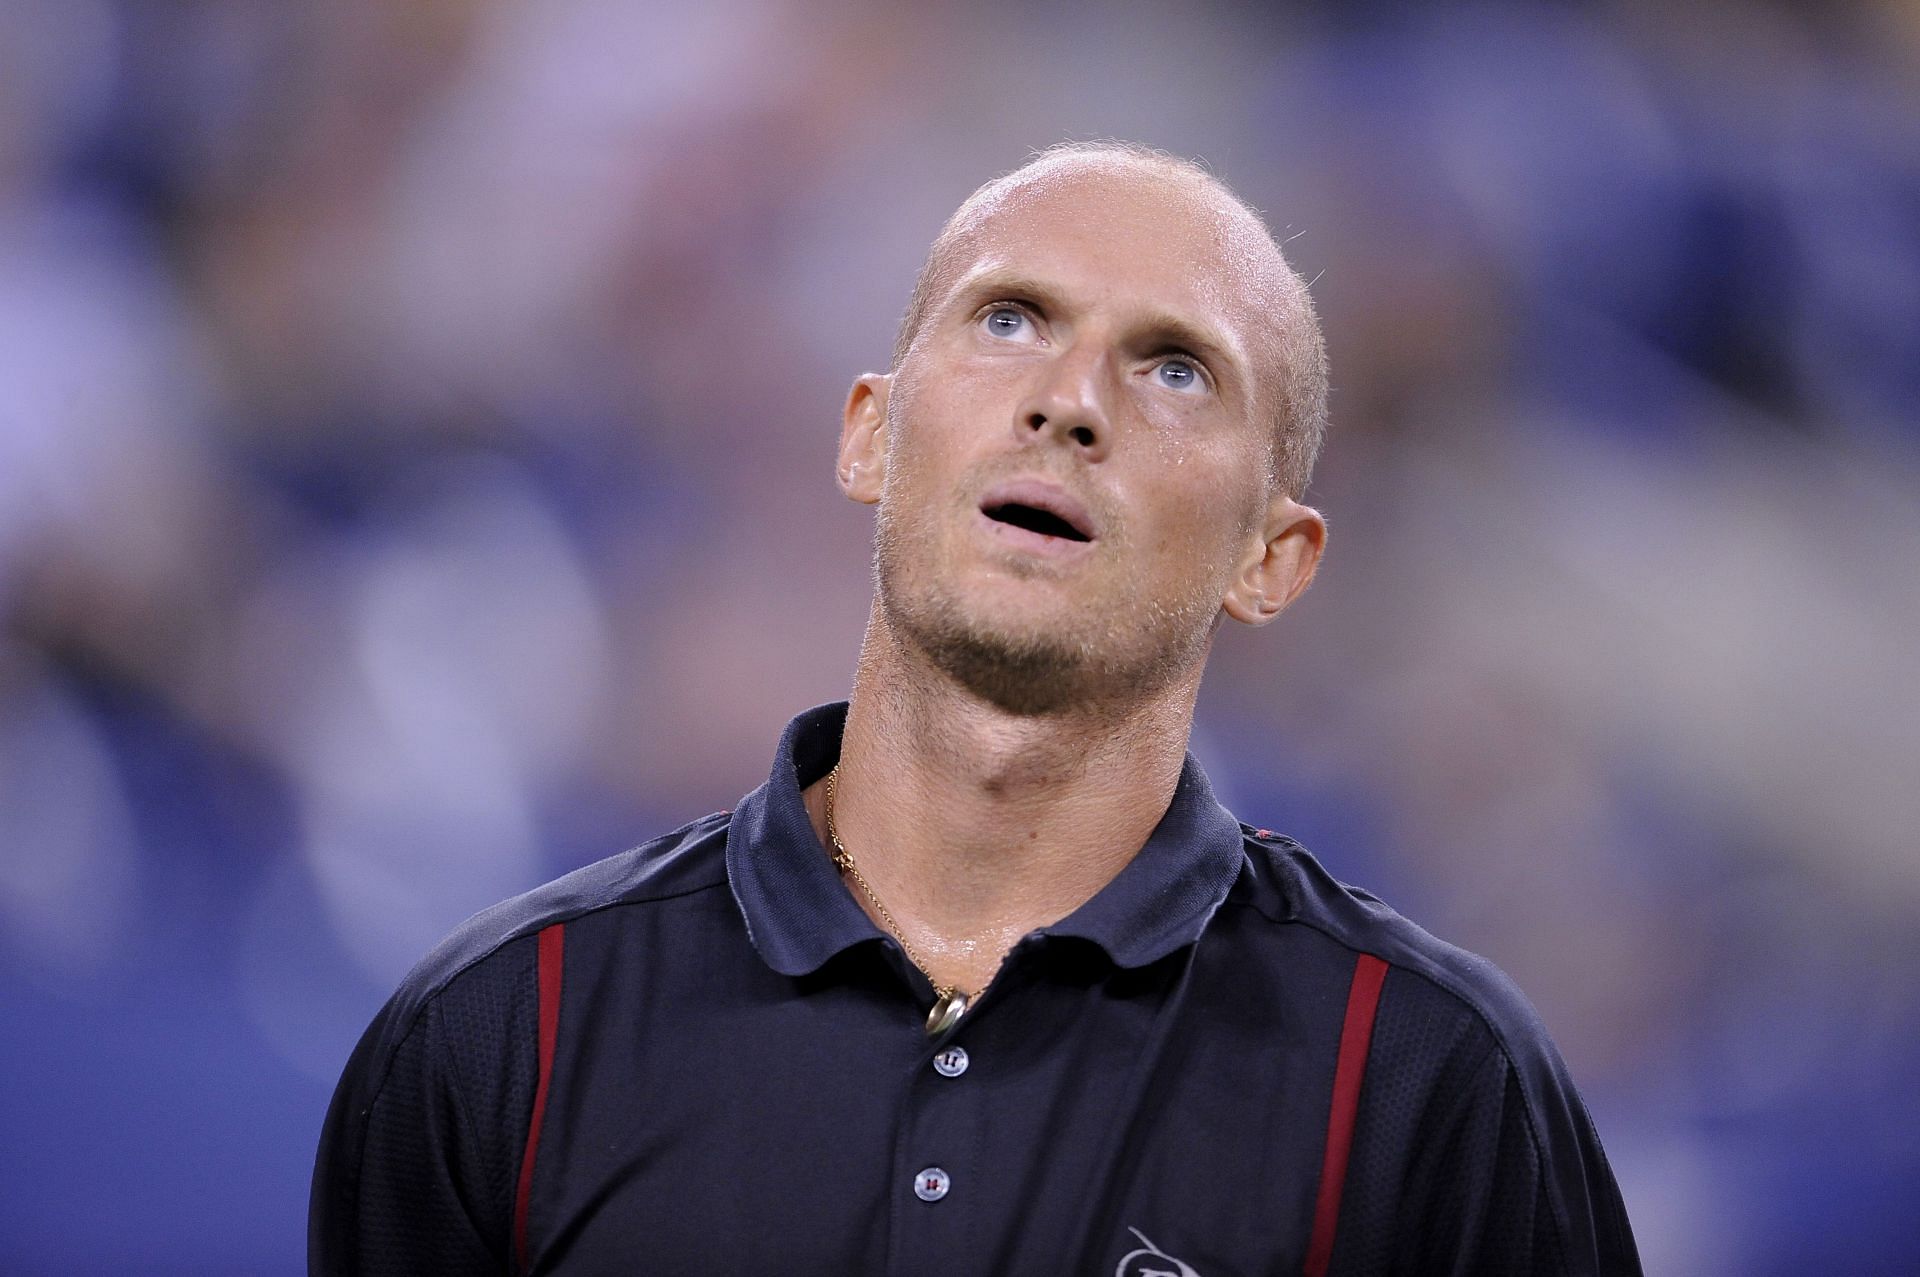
(951, 1062)
(931, 1184)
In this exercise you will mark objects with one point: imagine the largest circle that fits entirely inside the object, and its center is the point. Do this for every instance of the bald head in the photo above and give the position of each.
(1291, 355)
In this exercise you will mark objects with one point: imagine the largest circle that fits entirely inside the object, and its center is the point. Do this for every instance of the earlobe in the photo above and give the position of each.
(862, 461)
(1281, 567)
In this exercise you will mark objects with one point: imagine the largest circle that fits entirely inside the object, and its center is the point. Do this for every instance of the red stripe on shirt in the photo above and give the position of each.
(552, 949)
(1356, 1035)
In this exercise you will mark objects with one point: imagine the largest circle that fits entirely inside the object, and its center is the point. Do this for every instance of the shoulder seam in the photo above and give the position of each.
(533, 927)
(1445, 986)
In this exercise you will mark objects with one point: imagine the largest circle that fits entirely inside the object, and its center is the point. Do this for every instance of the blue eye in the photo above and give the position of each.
(1178, 374)
(1005, 321)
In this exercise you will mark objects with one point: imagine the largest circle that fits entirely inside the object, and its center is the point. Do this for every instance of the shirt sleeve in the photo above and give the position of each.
(419, 1154)
(1473, 1153)
(1515, 1184)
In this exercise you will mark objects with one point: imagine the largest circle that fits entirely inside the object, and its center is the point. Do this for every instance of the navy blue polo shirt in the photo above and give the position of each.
(702, 1057)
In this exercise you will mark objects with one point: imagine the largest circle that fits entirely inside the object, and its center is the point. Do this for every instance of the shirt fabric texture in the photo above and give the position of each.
(739, 1080)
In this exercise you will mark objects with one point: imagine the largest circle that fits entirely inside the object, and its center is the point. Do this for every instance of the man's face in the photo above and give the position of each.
(1078, 442)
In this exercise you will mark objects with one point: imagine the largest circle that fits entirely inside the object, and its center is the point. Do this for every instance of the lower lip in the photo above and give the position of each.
(1034, 542)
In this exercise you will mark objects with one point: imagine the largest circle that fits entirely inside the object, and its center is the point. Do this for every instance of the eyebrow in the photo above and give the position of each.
(1161, 329)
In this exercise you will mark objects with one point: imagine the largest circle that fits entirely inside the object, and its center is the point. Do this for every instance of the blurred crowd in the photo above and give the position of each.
(416, 425)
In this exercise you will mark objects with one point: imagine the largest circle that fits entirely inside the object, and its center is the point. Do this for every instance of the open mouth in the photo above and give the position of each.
(1034, 519)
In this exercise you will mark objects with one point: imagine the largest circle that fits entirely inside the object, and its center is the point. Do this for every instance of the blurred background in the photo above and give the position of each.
(416, 428)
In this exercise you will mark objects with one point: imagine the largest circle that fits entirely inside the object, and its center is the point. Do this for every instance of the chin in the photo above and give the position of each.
(1034, 670)
(1028, 648)
(1017, 674)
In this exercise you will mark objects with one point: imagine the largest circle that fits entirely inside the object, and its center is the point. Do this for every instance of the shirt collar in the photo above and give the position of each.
(799, 913)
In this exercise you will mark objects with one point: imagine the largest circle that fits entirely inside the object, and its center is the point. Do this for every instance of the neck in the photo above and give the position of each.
(975, 825)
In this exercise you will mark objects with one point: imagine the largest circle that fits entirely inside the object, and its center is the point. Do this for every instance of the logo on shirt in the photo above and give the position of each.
(1150, 1261)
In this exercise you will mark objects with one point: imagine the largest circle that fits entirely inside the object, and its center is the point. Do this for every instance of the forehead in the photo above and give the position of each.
(1123, 233)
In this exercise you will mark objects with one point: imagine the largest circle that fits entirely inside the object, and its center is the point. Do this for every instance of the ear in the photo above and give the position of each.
(862, 465)
(1280, 566)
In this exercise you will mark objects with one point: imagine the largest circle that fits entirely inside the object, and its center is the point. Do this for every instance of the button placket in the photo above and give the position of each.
(941, 1153)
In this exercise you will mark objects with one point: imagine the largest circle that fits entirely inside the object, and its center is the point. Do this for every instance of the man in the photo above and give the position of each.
(983, 980)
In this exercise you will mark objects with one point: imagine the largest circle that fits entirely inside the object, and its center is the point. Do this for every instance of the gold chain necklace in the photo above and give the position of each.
(949, 1004)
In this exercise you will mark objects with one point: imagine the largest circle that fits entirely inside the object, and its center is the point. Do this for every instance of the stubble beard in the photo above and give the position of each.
(1117, 654)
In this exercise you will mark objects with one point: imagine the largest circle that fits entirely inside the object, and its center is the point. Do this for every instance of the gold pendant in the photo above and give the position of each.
(947, 1010)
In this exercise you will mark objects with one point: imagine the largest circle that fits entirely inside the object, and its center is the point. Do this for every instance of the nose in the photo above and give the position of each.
(1068, 404)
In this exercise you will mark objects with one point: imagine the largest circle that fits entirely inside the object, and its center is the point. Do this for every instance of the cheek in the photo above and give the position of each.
(924, 472)
(1206, 511)
(909, 438)
(1179, 439)
(1209, 457)
(937, 427)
